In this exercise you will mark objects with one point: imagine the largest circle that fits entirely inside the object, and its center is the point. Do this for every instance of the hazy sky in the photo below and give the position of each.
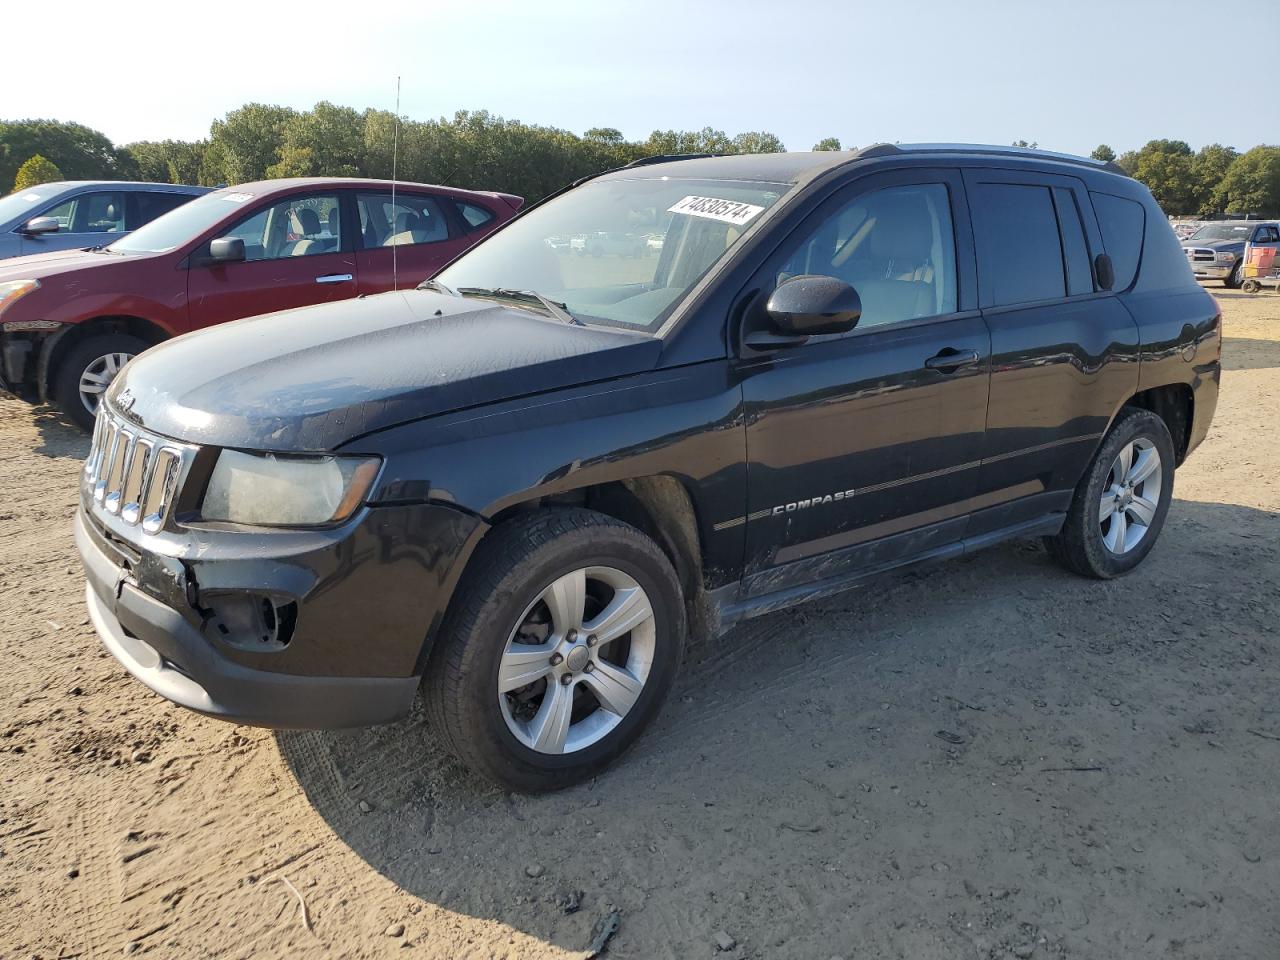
(1068, 75)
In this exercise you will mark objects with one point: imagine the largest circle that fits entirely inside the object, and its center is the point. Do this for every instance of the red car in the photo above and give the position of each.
(69, 321)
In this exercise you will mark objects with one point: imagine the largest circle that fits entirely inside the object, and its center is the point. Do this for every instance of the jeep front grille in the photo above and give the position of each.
(133, 474)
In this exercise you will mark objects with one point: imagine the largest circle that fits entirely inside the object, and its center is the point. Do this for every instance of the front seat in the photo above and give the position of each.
(309, 224)
(894, 277)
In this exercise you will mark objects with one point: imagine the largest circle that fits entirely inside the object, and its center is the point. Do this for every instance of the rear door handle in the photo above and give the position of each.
(951, 359)
(335, 278)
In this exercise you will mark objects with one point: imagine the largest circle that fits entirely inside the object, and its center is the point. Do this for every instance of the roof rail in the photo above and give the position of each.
(664, 158)
(892, 149)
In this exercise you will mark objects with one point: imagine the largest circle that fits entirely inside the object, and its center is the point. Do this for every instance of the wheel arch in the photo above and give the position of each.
(55, 348)
(661, 507)
(1174, 403)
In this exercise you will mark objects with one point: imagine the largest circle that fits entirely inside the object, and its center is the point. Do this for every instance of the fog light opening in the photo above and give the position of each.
(251, 621)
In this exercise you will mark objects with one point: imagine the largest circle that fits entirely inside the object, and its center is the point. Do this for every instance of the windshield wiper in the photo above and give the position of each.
(437, 286)
(557, 310)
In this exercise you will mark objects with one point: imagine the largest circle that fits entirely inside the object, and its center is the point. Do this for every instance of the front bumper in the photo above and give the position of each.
(152, 613)
(1212, 271)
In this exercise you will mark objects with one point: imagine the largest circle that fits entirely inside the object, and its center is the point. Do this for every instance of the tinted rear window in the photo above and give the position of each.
(1018, 242)
(1121, 222)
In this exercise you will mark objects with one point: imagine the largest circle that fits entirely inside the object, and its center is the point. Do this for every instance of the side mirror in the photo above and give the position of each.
(226, 250)
(38, 225)
(1105, 272)
(810, 306)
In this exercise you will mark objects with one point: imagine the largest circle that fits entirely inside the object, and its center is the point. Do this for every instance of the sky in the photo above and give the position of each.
(1065, 75)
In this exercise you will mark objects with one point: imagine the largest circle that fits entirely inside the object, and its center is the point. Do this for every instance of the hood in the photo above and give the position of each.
(44, 265)
(311, 379)
(1215, 244)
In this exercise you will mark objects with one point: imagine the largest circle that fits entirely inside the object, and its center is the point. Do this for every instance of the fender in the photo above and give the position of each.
(684, 423)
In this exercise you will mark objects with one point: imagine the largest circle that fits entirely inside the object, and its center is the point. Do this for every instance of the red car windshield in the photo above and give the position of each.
(183, 224)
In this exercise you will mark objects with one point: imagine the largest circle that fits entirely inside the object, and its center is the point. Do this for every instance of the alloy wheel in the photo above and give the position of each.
(577, 661)
(1131, 497)
(97, 376)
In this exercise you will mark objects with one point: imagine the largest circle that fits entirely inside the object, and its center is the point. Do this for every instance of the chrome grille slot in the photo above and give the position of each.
(133, 475)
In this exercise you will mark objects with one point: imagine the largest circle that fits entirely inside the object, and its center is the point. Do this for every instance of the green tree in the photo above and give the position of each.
(1103, 152)
(248, 141)
(326, 140)
(1165, 167)
(757, 141)
(79, 152)
(828, 143)
(35, 171)
(167, 161)
(1208, 169)
(706, 140)
(1252, 184)
(1033, 145)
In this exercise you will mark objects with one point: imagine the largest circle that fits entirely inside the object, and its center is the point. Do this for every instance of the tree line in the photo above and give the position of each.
(478, 150)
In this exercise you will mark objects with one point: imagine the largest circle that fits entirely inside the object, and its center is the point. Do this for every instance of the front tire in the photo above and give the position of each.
(86, 372)
(1120, 504)
(1235, 278)
(559, 649)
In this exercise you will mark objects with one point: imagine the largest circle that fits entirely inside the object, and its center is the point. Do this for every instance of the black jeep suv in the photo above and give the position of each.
(522, 484)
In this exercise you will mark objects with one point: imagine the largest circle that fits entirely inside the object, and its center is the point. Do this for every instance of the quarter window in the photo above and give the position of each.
(303, 226)
(475, 215)
(895, 246)
(1122, 223)
(1018, 243)
(411, 219)
(148, 205)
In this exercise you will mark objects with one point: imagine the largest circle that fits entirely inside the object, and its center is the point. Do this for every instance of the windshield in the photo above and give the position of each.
(24, 203)
(1223, 231)
(617, 252)
(183, 224)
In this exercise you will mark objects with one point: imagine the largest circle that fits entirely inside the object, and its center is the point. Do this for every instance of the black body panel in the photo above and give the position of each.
(480, 411)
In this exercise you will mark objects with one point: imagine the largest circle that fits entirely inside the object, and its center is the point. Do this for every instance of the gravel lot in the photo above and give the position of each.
(1113, 791)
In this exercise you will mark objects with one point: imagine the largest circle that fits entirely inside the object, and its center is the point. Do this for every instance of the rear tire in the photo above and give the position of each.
(91, 365)
(517, 650)
(1120, 504)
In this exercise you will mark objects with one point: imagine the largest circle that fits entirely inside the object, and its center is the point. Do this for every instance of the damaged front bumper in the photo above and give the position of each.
(331, 630)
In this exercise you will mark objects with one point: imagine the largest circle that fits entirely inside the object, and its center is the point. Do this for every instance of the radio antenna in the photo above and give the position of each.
(395, 153)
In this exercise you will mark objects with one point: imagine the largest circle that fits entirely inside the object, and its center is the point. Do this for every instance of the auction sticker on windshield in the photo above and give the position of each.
(713, 208)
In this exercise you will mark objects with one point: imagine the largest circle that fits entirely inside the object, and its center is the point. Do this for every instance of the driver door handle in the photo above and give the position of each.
(335, 278)
(951, 359)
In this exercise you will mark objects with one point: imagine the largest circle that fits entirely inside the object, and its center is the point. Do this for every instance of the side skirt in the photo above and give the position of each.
(732, 608)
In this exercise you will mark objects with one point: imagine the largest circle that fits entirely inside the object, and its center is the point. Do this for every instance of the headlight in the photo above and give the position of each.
(278, 491)
(11, 291)
(1226, 255)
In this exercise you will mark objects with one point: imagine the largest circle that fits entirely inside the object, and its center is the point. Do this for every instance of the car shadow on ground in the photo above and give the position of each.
(798, 790)
(59, 437)
(1244, 353)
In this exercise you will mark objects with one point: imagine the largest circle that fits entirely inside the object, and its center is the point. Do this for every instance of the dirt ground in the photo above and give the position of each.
(1113, 791)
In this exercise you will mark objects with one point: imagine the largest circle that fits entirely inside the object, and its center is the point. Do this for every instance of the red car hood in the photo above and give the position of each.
(43, 265)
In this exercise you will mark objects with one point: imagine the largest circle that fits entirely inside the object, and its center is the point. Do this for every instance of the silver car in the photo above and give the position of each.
(82, 213)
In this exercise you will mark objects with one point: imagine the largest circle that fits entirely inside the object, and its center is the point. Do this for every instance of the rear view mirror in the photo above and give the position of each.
(38, 225)
(810, 306)
(226, 250)
(1104, 271)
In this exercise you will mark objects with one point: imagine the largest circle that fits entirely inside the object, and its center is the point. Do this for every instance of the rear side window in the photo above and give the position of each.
(1121, 222)
(148, 205)
(1017, 233)
(475, 215)
(412, 219)
(1075, 252)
